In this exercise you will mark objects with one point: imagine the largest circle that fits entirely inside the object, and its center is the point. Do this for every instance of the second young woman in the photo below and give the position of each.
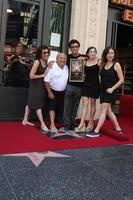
(90, 91)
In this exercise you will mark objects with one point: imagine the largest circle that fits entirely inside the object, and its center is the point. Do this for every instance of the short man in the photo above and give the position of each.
(73, 90)
(55, 82)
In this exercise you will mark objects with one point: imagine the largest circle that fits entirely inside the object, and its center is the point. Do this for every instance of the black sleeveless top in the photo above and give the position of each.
(91, 84)
(92, 74)
(109, 77)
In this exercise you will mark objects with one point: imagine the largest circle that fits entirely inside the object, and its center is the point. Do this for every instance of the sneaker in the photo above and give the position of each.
(92, 134)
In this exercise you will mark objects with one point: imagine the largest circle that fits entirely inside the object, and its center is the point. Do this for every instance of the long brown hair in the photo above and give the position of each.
(104, 55)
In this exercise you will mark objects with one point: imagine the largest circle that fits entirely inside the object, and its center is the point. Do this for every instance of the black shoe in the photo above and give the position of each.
(92, 134)
(72, 127)
(67, 128)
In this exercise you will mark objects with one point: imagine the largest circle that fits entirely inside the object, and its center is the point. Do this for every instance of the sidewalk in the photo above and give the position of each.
(104, 173)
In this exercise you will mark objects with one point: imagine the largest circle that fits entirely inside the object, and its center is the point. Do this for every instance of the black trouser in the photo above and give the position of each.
(71, 103)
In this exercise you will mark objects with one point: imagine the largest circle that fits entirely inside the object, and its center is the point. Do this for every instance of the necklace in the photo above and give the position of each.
(108, 66)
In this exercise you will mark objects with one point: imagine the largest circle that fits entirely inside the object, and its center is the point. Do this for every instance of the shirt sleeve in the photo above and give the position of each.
(48, 77)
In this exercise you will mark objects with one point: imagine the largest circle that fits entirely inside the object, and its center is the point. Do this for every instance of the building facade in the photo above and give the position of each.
(89, 23)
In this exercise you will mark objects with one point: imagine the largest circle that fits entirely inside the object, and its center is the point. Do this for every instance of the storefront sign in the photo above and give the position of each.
(55, 39)
(128, 15)
(128, 3)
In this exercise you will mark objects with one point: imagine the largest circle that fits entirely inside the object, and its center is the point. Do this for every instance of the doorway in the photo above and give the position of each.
(122, 40)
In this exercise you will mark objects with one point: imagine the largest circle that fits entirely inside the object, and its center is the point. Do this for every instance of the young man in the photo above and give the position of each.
(73, 90)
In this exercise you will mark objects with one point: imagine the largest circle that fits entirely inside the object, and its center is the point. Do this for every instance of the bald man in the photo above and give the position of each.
(55, 82)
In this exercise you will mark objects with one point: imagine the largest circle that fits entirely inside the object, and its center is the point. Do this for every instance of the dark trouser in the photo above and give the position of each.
(71, 103)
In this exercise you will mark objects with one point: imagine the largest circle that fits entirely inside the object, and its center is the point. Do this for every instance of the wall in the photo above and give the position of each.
(89, 22)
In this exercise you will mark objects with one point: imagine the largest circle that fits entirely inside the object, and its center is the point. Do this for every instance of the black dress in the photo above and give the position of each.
(91, 87)
(109, 78)
(37, 90)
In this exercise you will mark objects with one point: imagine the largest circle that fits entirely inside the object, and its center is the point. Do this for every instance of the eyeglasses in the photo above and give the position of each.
(72, 47)
(45, 52)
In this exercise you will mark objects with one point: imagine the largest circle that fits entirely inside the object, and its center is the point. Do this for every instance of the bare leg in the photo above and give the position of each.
(85, 102)
(92, 114)
(26, 115)
(52, 119)
(40, 117)
(103, 112)
(81, 127)
(113, 119)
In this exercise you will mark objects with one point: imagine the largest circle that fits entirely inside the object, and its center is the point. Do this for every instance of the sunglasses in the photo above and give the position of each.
(45, 52)
(72, 47)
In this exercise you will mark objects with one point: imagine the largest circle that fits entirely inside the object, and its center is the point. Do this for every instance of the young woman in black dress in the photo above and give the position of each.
(111, 79)
(90, 91)
(36, 88)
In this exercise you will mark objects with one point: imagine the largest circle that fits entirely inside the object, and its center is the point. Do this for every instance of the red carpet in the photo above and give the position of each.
(16, 138)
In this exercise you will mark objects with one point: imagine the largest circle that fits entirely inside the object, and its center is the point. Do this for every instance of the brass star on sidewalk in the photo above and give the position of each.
(62, 133)
(37, 158)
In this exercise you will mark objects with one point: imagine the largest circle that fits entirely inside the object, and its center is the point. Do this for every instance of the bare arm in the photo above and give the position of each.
(118, 70)
(50, 93)
(34, 69)
(100, 64)
(50, 64)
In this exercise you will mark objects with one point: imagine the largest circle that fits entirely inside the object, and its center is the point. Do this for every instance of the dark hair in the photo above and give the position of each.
(104, 55)
(39, 51)
(74, 41)
(90, 49)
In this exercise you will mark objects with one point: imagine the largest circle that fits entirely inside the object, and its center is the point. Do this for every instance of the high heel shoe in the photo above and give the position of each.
(89, 127)
(80, 128)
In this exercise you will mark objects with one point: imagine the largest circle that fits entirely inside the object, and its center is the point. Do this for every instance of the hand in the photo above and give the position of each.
(46, 71)
(81, 58)
(51, 95)
(42, 75)
(109, 90)
(50, 64)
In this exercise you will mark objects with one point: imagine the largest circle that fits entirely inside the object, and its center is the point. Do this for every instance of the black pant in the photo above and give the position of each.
(71, 103)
